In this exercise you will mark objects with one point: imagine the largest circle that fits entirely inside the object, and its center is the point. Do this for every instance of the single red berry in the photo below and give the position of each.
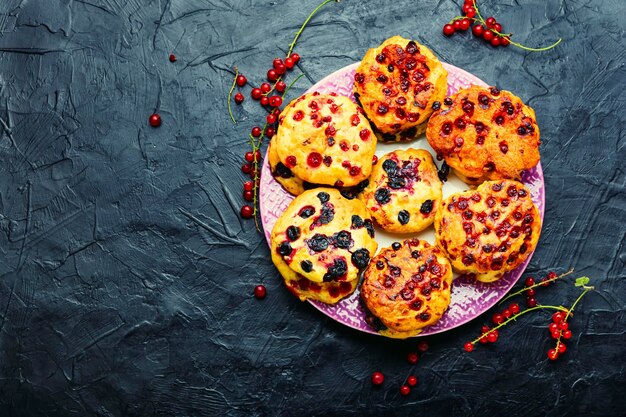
(249, 156)
(257, 155)
(289, 63)
(246, 168)
(514, 308)
(266, 87)
(248, 195)
(276, 101)
(553, 327)
(259, 291)
(457, 25)
(567, 334)
(531, 302)
(497, 318)
(248, 186)
(172, 58)
(378, 378)
(483, 340)
(281, 69)
(241, 80)
(545, 282)
(256, 131)
(505, 41)
(265, 101)
(478, 30)
(256, 93)
(281, 86)
(490, 22)
(557, 317)
(465, 24)
(405, 390)
(470, 12)
(412, 358)
(295, 57)
(247, 211)
(484, 329)
(488, 35)
(155, 120)
(269, 132)
(448, 30)
(530, 281)
(530, 292)
(495, 42)
(277, 62)
(411, 380)
(562, 348)
(553, 354)
(555, 334)
(422, 346)
(563, 326)
(238, 98)
(507, 313)
(552, 275)
(271, 119)
(272, 75)
(492, 337)
(498, 27)
(469, 346)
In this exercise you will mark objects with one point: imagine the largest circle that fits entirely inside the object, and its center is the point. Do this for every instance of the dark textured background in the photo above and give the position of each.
(113, 301)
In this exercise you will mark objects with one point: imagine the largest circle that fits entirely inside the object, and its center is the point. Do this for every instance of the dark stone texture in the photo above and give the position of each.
(126, 274)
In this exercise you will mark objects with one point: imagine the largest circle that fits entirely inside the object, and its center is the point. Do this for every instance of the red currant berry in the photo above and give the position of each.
(269, 132)
(490, 22)
(281, 86)
(545, 282)
(247, 211)
(246, 168)
(266, 87)
(172, 58)
(562, 348)
(272, 75)
(238, 98)
(256, 131)
(448, 30)
(257, 156)
(457, 25)
(295, 57)
(504, 42)
(507, 313)
(276, 101)
(248, 186)
(422, 346)
(492, 337)
(553, 354)
(466, 8)
(488, 35)
(483, 340)
(277, 62)
(495, 42)
(271, 119)
(412, 358)
(514, 308)
(530, 281)
(498, 27)
(241, 80)
(248, 195)
(471, 12)
(530, 292)
(405, 390)
(484, 329)
(465, 24)
(567, 334)
(378, 378)
(265, 101)
(289, 63)
(259, 291)
(478, 30)
(256, 93)
(249, 156)
(563, 326)
(552, 275)
(531, 302)
(497, 318)
(155, 120)
(411, 380)
(470, 2)
(281, 69)
(555, 334)
(553, 327)
(557, 317)
(469, 346)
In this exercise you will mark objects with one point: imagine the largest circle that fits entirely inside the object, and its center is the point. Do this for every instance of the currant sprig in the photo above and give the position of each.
(488, 29)
(530, 284)
(230, 94)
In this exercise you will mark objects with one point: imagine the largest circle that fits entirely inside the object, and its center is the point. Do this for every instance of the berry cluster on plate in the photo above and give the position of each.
(323, 153)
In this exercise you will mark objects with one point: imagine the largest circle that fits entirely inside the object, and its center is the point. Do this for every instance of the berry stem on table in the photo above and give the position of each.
(293, 44)
(539, 284)
(230, 94)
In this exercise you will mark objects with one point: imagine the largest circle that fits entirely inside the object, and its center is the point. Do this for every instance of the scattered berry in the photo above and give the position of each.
(172, 58)
(469, 346)
(411, 380)
(155, 120)
(378, 378)
(238, 98)
(405, 390)
(259, 291)
(241, 80)
(412, 358)
(448, 30)
(422, 346)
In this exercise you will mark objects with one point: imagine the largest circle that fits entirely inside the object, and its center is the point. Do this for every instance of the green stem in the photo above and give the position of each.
(535, 285)
(480, 18)
(292, 44)
(292, 83)
(230, 94)
(515, 317)
(569, 312)
(526, 48)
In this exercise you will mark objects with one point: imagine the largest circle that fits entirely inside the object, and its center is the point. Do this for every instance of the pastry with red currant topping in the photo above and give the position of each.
(325, 139)
(485, 134)
(404, 191)
(397, 84)
(324, 238)
(490, 230)
(407, 287)
(282, 174)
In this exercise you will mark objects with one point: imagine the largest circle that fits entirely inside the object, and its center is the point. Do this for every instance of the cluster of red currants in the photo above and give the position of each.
(490, 30)
(530, 284)
(491, 336)
(271, 102)
(559, 329)
(412, 357)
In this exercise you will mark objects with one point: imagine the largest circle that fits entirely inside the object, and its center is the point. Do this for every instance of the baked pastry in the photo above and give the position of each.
(488, 231)
(397, 84)
(485, 134)
(407, 287)
(325, 139)
(282, 174)
(323, 237)
(404, 191)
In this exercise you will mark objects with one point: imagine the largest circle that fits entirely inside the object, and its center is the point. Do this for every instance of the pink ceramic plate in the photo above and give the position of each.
(469, 298)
